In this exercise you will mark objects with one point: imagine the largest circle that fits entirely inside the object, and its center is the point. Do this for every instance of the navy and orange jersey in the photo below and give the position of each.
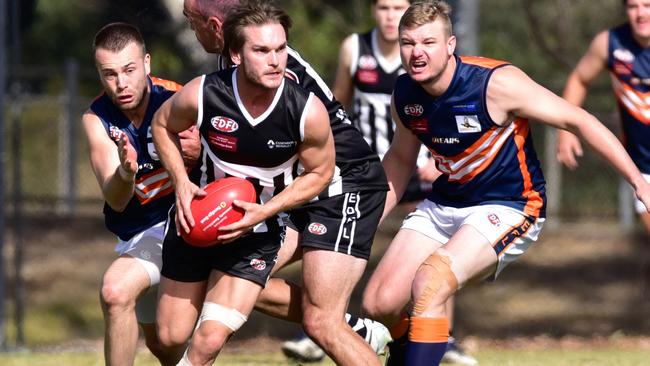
(629, 66)
(153, 188)
(482, 163)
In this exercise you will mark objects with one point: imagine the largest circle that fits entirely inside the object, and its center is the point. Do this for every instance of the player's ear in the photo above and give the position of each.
(215, 24)
(451, 45)
(147, 63)
(235, 57)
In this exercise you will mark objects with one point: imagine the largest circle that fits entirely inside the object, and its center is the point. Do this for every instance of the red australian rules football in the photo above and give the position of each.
(215, 209)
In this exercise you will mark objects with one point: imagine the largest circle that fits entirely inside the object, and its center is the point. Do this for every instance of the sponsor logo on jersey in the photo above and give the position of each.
(258, 264)
(115, 133)
(419, 125)
(317, 228)
(368, 76)
(414, 110)
(224, 124)
(624, 55)
(367, 62)
(494, 219)
(468, 124)
(222, 142)
(622, 68)
(280, 144)
(445, 140)
(464, 108)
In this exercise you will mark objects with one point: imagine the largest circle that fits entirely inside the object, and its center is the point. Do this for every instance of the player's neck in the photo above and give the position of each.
(256, 98)
(644, 42)
(136, 115)
(388, 49)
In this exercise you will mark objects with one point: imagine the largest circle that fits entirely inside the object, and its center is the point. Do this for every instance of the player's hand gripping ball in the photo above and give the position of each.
(215, 209)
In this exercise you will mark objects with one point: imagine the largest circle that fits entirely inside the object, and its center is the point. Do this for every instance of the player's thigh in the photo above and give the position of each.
(179, 305)
(125, 277)
(389, 287)
(232, 291)
(288, 252)
(470, 254)
(329, 278)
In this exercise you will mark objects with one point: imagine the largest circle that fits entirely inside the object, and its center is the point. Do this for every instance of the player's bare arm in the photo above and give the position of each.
(116, 178)
(177, 114)
(343, 83)
(592, 63)
(316, 155)
(511, 93)
(402, 154)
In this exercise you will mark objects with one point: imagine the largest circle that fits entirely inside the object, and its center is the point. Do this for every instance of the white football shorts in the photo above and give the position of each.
(146, 248)
(509, 230)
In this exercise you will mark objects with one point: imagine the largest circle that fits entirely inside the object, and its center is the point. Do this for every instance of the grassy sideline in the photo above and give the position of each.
(507, 357)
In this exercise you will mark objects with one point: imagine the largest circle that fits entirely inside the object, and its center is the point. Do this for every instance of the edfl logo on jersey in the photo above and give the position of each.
(224, 124)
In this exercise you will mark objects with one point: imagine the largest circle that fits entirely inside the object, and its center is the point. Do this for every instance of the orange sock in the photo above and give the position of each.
(427, 341)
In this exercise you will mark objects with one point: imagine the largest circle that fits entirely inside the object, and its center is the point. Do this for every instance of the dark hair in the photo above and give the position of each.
(426, 11)
(374, 2)
(255, 12)
(116, 36)
(215, 8)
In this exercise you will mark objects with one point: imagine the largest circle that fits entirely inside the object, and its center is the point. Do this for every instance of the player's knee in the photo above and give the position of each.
(208, 340)
(377, 304)
(316, 322)
(434, 283)
(115, 297)
(172, 336)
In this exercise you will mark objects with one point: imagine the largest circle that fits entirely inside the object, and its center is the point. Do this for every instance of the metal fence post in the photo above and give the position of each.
(68, 140)
(3, 157)
(553, 176)
(72, 82)
(625, 205)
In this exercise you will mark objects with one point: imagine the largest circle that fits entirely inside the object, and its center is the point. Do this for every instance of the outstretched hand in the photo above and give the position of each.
(190, 146)
(568, 148)
(254, 214)
(128, 157)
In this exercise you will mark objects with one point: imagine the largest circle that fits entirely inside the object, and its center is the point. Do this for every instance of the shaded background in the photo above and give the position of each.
(588, 278)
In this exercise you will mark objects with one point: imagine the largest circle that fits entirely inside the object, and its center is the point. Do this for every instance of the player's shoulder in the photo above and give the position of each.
(165, 84)
(484, 62)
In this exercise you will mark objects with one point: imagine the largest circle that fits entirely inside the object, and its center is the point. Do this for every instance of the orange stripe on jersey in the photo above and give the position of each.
(489, 63)
(636, 103)
(153, 185)
(476, 158)
(167, 84)
(485, 152)
(429, 330)
(535, 201)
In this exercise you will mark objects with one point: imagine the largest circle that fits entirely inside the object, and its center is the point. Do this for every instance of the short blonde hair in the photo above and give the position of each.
(423, 12)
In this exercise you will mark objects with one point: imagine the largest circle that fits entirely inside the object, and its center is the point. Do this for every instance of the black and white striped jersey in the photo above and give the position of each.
(262, 149)
(373, 77)
(358, 168)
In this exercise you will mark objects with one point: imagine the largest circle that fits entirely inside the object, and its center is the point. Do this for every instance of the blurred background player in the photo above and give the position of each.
(624, 51)
(264, 106)
(135, 186)
(488, 206)
(369, 64)
(358, 174)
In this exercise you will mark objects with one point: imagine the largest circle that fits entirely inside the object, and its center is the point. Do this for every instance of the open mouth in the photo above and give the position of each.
(418, 66)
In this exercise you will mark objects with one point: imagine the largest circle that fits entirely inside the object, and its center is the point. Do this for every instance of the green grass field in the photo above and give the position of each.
(496, 357)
